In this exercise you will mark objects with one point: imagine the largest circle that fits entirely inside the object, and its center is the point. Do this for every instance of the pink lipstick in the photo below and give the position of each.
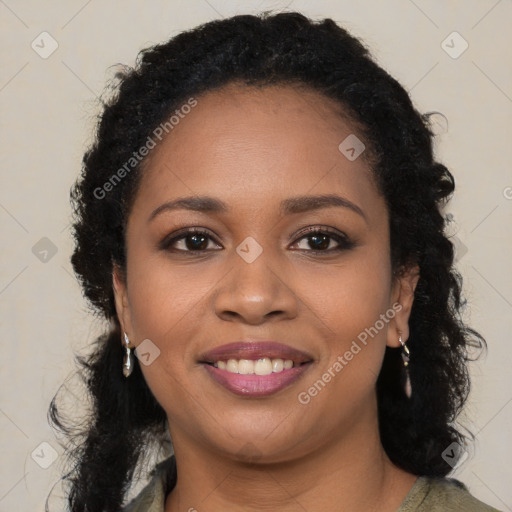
(255, 368)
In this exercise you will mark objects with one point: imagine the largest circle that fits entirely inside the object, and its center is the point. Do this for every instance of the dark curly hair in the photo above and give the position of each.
(268, 49)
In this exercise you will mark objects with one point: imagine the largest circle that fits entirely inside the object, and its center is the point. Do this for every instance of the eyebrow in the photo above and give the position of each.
(292, 205)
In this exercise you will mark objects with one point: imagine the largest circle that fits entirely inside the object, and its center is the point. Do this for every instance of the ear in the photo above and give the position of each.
(402, 299)
(121, 300)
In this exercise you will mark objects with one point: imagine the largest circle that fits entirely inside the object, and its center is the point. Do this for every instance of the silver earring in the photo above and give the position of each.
(405, 358)
(128, 360)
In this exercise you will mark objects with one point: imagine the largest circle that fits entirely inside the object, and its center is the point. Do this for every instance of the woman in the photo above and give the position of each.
(259, 219)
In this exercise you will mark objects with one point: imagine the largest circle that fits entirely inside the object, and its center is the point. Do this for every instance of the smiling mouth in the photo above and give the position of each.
(254, 385)
(261, 366)
(255, 369)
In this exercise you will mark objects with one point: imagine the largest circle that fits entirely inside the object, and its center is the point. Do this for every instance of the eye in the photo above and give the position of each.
(317, 240)
(191, 240)
(324, 240)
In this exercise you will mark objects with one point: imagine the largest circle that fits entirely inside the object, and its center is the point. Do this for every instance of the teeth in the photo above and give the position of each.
(277, 365)
(264, 366)
(232, 366)
(245, 366)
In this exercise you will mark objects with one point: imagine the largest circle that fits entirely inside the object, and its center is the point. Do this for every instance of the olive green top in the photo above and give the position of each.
(428, 494)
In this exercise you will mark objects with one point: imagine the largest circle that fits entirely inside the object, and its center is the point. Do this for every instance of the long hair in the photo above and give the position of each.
(268, 49)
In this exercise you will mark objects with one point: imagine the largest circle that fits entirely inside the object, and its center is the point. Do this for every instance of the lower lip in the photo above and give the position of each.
(256, 385)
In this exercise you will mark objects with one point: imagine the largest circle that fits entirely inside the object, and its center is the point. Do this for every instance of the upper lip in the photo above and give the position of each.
(255, 350)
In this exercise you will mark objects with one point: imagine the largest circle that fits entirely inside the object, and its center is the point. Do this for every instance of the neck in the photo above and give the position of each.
(353, 474)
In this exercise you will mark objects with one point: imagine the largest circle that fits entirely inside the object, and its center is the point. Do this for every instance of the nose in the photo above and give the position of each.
(255, 292)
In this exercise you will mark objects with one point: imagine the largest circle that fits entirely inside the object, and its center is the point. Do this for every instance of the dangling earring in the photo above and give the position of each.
(128, 360)
(405, 358)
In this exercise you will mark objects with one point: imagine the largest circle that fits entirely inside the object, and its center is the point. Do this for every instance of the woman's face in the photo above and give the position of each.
(268, 156)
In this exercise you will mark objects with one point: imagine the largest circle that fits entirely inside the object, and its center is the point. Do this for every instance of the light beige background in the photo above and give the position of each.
(47, 112)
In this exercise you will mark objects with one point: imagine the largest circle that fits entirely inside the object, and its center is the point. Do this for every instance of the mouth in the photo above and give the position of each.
(261, 366)
(255, 369)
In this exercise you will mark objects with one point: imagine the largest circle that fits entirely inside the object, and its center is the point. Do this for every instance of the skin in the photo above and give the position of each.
(253, 148)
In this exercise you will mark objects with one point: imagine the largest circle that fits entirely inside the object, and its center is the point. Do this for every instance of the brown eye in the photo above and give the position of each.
(324, 241)
(189, 241)
(320, 241)
(195, 242)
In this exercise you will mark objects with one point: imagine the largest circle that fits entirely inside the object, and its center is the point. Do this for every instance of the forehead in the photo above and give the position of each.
(251, 145)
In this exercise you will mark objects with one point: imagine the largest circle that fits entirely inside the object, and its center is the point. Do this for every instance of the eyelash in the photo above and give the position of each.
(344, 243)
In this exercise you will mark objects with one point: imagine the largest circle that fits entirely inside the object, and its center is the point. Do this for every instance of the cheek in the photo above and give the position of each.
(165, 297)
(349, 297)
(352, 304)
(167, 307)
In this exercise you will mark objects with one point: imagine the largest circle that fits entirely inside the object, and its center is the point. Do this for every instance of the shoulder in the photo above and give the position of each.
(436, 494)
(152, 497)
